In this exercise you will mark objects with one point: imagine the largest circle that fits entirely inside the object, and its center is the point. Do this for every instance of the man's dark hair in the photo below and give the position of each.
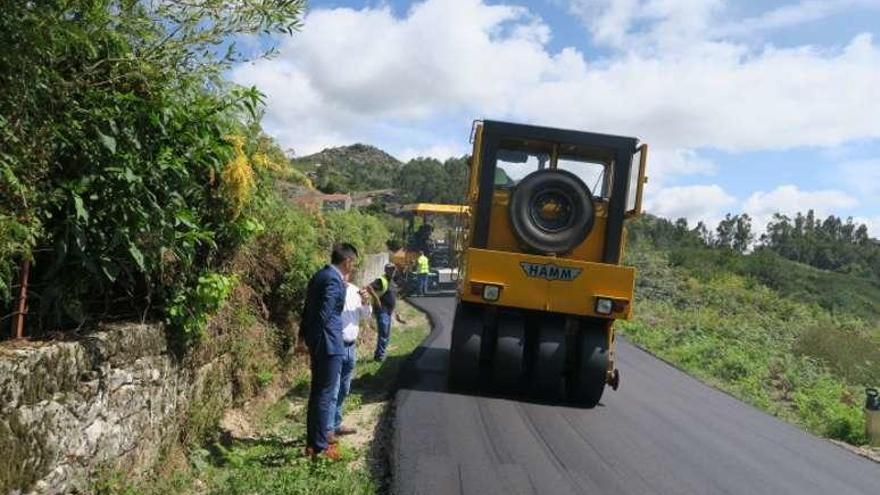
(343, 251)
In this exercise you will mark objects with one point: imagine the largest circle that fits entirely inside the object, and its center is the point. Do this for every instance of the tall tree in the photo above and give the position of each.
(725, 232)
(703, 233)
(742, 235)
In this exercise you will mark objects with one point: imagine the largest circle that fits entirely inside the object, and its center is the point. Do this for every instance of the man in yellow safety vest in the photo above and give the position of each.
(422, 270)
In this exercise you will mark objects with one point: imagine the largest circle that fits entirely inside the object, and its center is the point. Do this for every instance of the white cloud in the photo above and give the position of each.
(720, 95)
(873, 224)
(646, 24)
(707, 203)
(353, 73)
(651, 25)
(440, 152)
(664, 165)
(790, 199)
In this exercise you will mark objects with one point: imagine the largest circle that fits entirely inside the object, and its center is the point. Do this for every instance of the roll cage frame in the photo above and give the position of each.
(621, 148)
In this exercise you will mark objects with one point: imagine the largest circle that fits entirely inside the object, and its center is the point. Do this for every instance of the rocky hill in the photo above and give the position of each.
(350, 168)
(355, 154)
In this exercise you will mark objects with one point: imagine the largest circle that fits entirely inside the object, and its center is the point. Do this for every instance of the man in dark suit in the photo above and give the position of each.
(321, 330)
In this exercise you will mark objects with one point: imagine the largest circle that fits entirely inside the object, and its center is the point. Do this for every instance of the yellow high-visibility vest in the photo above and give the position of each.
(383, 281)
(422, 265)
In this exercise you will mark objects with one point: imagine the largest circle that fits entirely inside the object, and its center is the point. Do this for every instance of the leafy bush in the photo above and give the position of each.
(190, 308)
(113, 137)
(295, 242)
(366, 232)
(823, 408)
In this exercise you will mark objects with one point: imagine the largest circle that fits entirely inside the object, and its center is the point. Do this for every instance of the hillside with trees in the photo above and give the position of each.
(427, 180)
(361, 167)
(358, 167)
(799, 341)
(137, 185)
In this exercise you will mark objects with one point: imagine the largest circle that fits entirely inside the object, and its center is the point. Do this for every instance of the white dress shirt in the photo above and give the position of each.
(354, 311)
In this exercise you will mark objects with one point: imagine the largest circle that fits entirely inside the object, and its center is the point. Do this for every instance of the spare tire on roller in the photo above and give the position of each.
(551, 211)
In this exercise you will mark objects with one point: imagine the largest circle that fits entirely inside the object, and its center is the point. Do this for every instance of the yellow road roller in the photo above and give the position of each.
(541, 280)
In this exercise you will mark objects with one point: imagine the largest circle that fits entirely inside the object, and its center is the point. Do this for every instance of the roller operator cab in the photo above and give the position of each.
(541, 280)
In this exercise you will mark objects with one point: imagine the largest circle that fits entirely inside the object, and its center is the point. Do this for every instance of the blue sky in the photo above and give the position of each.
(755, 106)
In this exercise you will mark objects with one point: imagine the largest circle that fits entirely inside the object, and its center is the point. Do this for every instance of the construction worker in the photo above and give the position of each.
(384, 300)
(422, 270)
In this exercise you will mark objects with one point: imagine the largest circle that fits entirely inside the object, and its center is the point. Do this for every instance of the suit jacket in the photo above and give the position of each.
(321, 326)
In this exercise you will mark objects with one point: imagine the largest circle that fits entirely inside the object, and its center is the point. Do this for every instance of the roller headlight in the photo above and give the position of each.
(491, 292)
(604, 306)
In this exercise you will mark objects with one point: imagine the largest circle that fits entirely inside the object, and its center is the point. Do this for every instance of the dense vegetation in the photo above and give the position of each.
(132, 175)
(795, 340)
(138, 184)
(426, 180)
(119, 174)
(363, 168)
(832, 244)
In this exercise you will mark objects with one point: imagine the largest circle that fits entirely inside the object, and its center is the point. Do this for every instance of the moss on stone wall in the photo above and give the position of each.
(22, 447)
(49, 373)
(212, 395)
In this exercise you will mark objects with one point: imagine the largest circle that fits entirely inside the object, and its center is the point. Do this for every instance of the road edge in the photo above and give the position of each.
(408, 365)
(852, 449)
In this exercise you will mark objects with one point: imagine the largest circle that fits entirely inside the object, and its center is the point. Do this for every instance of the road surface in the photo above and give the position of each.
(663, 432)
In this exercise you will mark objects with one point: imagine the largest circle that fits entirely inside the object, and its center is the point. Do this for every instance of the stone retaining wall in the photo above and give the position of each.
(112, 399)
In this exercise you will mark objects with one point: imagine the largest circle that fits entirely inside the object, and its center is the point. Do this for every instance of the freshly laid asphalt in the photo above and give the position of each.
(663, 432)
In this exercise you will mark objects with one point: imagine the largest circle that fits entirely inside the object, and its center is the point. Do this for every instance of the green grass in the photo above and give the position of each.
(836, 293)
(275, 466)
(782, 352)
(273, 461)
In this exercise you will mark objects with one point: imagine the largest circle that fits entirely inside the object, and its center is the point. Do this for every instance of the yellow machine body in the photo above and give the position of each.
(502, 261)
(527, 281)
(529, 314)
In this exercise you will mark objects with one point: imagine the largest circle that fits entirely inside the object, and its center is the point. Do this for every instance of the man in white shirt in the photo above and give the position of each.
(357, 308)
